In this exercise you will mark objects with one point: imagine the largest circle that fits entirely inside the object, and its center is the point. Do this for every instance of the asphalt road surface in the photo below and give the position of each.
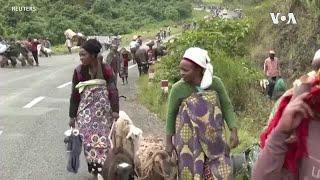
(34, 104)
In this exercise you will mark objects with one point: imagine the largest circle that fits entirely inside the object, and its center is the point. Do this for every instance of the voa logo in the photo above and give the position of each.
(288, 19)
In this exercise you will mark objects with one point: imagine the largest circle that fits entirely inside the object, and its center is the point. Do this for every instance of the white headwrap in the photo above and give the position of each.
(317, 55)
(201, 58)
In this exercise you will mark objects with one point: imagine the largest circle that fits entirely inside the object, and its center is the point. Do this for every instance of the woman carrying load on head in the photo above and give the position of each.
(125, 57)
(198, 103)
(94, 104)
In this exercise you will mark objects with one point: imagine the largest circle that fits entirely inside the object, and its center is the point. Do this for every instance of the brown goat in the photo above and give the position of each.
(118, 166)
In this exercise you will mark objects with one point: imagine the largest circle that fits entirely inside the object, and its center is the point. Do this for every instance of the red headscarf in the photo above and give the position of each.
(297, 150)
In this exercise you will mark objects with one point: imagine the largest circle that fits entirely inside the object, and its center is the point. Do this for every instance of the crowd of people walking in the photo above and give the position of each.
(25, 51)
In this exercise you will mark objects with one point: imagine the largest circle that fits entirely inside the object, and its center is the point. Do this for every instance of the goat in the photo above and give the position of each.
(127, 135)
(124, 136)
(264, 83)
(118, 166)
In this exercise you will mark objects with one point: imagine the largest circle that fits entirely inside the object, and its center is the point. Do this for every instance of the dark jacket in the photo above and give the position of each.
(113, 59)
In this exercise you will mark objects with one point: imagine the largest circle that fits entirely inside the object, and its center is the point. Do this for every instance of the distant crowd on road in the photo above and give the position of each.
(221, 12)
(24, 51)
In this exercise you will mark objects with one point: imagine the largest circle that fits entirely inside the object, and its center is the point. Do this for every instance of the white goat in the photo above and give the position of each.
(125, 141)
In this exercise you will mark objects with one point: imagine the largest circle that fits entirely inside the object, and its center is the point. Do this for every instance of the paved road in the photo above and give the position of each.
(34, 115)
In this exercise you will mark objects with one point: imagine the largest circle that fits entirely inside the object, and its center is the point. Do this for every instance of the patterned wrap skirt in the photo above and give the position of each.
(199, 140)
(94, 120)
(124, 71)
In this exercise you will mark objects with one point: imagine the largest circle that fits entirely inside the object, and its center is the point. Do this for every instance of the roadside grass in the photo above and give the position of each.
(59, 49)
(62, 49)
(151, 96)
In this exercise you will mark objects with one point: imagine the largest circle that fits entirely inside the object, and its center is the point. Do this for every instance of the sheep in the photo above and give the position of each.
(153, 162)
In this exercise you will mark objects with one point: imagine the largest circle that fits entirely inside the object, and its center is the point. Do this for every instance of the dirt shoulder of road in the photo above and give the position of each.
(141, 116)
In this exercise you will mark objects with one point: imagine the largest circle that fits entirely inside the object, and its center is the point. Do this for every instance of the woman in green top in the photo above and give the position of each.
(196, 78)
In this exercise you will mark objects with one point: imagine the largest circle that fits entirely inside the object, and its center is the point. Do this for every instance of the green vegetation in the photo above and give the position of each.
(60, 49)
(149, 31)
(92, 17)
(212, 1)
(151, 95)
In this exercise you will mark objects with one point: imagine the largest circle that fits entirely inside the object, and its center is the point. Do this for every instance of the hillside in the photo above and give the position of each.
(50, 18)
(295, 44)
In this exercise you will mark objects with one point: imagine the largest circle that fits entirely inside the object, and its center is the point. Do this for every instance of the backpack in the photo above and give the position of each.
(280, 85)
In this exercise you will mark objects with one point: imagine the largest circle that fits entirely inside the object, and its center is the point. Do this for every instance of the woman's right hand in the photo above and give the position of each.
(72, 122)
(115, 116)
(294, 113)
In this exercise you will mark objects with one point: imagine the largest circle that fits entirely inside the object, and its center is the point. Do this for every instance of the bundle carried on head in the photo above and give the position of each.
(153, 162)
(150, 43)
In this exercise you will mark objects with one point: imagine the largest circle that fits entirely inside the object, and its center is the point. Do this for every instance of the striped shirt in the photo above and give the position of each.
(271, 67)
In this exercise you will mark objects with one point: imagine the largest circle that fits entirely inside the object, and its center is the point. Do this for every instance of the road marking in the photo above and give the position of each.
(64, 85)
(132, 66)
(33, 102)
(1, 132)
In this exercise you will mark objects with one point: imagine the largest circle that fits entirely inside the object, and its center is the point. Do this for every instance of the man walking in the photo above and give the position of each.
(33, 48)
(141, 57)
(272, 71)
(134, 45)
(69, 44)
(113, 59)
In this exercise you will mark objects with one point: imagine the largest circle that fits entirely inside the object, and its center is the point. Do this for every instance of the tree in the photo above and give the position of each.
(171, 13)
(101, 7)
(53, 17)
(184, 8)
